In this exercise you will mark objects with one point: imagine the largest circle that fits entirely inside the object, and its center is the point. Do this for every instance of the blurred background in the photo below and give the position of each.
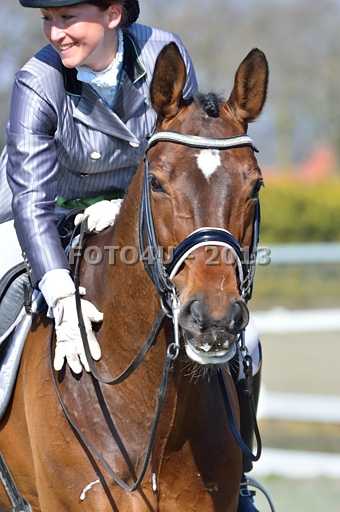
(297, 298)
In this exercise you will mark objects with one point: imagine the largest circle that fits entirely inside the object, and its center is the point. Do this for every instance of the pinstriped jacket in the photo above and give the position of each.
(63, 140)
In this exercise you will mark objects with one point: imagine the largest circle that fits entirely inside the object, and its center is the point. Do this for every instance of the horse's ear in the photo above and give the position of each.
(250, 87)
(168, 81)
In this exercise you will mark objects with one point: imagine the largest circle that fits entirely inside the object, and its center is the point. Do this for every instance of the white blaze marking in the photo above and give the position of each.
(208, 161)
(87, 489)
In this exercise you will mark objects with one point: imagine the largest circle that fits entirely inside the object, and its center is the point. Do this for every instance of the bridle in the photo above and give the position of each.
(162, 275)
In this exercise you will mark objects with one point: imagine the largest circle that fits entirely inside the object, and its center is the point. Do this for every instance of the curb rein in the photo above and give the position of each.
(161, 276)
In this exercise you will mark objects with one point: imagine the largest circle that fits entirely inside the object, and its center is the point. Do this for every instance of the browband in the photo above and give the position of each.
(196, 141)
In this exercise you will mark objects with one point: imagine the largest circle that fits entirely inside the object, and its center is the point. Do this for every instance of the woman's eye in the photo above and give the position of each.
(64, 17)
(155, 184)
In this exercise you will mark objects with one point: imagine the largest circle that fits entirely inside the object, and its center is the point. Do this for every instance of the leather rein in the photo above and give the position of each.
(161, 275)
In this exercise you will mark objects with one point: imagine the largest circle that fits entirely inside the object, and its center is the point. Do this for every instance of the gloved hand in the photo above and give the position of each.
(100, 215)
(69, 343)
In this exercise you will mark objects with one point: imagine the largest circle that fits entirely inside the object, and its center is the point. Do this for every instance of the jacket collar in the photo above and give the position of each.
(91, 110)
(132, 65)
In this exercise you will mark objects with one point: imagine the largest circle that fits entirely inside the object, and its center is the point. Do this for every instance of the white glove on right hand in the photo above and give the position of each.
(69, 343)
(100, 215)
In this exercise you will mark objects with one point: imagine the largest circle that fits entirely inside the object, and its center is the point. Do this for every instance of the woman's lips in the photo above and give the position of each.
(65, 48)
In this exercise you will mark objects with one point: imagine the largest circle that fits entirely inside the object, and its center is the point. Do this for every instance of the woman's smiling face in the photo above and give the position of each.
(83, 34)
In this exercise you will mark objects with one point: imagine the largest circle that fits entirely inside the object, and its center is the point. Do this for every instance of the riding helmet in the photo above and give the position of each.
(131, 6)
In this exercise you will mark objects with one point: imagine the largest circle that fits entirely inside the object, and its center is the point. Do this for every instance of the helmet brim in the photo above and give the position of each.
(132, 6)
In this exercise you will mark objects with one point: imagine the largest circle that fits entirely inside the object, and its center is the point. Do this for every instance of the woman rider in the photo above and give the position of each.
(79, 119)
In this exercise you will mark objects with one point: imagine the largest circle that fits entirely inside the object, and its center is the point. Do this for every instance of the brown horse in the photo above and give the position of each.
(196, 464)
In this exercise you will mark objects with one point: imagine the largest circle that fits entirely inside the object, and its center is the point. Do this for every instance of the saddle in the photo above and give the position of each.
(13, 286)
(15, 323)
(17, 303)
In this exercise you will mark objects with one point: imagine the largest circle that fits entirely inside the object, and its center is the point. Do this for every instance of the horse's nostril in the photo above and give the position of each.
(196, 312)
(239, 316)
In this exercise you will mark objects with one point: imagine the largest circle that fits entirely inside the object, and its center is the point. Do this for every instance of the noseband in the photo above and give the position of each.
(161, 273)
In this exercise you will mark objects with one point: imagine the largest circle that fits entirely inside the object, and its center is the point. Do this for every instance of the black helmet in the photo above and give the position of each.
(131, 6)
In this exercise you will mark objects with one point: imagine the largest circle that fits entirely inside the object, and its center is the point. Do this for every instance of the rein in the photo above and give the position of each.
(137, 361)
(93, 452)
(161, 276)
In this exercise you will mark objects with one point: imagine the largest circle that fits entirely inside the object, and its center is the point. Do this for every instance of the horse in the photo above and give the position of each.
(65, 454)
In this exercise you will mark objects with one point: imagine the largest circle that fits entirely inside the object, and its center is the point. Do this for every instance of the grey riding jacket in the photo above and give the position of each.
(64, 140)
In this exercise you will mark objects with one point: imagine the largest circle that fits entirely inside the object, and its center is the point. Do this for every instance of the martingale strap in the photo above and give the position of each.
(254, 457)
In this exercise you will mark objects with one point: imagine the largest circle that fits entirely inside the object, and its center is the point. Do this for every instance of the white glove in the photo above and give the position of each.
(56, 284)
(69, 343)
(100, 215)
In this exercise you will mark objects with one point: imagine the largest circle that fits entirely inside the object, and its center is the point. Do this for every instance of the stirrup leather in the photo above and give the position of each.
(18, 502)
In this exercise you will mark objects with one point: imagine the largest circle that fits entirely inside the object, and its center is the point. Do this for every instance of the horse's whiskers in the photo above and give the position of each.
(196, 372)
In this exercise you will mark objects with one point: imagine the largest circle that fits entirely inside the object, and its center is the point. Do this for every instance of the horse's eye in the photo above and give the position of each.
(256, 189)
(155, 184)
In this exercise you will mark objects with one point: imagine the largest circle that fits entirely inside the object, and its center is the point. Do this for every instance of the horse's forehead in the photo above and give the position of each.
(180, 162)
(209, 161)
(176, 158)
(201, 123)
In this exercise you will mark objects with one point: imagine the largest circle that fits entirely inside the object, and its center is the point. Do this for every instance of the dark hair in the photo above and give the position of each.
(130, 11)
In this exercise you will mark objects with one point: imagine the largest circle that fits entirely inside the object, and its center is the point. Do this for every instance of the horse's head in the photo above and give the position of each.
(193, 188)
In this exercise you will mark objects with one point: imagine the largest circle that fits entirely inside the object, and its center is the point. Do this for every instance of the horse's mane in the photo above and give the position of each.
(210, 103)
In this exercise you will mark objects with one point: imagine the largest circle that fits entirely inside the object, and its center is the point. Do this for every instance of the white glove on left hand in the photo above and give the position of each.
(69, 343)
(100, 215)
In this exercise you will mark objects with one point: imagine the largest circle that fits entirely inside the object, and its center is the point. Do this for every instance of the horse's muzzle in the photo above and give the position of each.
(208, 340)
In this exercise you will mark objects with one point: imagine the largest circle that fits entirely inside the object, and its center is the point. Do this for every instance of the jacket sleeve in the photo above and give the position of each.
(191, 86)
(32, 171)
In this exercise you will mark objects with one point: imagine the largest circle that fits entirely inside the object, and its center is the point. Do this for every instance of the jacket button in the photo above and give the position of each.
(134, 144)
(95, 155)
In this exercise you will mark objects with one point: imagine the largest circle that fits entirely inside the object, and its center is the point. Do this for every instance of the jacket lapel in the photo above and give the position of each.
(129, 99)
(91, 110)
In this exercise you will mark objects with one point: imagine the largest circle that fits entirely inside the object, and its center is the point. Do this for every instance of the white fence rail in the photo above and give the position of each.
(284, 320)
(296, 464)
(294, 406)
(304, 408)
(299, 407)
(302, 253)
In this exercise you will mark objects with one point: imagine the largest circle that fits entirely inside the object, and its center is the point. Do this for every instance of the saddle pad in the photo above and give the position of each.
(11, 305)
(11, 350)
(10, 355)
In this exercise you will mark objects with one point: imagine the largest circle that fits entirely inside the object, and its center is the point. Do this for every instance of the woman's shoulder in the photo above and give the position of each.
(42, 70)
(147, 36)
(150, 41)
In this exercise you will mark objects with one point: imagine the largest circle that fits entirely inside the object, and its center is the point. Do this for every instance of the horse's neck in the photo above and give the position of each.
(199, 398)
(200, 427)
(119, 285)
